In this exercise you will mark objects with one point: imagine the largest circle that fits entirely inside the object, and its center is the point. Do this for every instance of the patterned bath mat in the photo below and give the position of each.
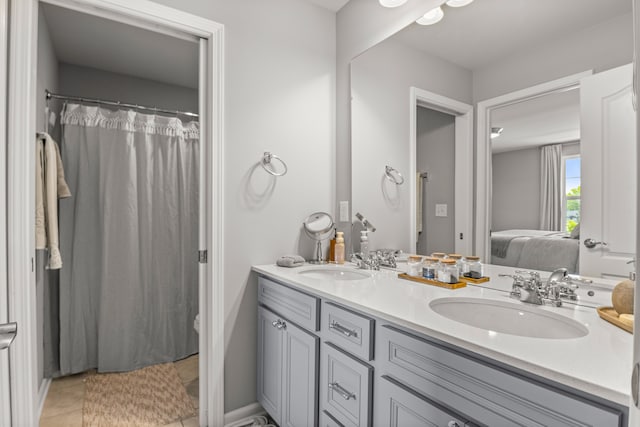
(151, 396)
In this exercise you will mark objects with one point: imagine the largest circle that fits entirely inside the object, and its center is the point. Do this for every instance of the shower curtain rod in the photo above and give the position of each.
(50, 95)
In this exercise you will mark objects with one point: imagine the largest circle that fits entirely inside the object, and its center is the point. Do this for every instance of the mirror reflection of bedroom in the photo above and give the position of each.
(535, 146)
(563, 178)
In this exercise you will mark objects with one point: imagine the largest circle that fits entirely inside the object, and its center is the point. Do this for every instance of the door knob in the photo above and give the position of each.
(591, 243)
(8, 333)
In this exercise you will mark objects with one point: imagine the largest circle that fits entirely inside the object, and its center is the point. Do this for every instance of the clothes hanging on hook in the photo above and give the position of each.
(50, 186)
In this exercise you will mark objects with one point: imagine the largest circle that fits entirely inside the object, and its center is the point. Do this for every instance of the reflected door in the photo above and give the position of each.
(608, 151)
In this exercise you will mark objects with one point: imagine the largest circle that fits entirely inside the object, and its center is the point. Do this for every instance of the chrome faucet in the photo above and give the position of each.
(559, 286)
(369, 262)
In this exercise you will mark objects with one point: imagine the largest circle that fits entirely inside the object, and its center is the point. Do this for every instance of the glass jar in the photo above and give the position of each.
(429, 267)
(439, 255)
(448, 271)
(458, 259)
(473, 266)
(414, 264)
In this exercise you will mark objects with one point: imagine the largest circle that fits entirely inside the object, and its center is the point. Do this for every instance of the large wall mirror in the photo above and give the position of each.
(485, 51)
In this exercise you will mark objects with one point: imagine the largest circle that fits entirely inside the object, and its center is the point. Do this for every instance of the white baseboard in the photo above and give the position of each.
(42, 395)
(251, 410)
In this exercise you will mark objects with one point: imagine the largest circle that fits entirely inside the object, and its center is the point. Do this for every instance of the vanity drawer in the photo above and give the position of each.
(397, 406)
(326, 420)
(345, 387)
(351, 331)
(482, 392)
(298, 307)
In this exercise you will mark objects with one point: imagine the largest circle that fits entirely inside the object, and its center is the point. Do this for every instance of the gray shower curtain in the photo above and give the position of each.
(129, 238)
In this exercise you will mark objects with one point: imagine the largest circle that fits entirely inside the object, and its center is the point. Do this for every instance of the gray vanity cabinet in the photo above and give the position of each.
(287, 383)
(321, 363)
(398, 406)
(480, 391)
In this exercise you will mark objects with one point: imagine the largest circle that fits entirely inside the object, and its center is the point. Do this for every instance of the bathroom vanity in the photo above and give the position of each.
(344, 347)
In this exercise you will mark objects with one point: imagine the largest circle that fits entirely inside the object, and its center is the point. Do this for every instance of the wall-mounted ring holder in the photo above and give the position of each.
(393, 175)
(267, 165)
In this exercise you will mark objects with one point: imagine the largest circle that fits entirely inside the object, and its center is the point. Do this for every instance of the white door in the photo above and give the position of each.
(608, 152)
(5, 402)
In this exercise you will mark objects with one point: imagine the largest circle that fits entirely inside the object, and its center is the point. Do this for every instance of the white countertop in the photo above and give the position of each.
(598, 363)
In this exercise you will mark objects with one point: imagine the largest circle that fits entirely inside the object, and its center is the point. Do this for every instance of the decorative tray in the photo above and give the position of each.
(432, 282)
(483, 279)
(611, 316)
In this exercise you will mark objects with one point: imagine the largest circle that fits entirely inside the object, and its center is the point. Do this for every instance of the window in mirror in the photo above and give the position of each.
(571, 191)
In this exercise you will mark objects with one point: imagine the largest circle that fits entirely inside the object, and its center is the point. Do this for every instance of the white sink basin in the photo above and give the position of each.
(509, 318)
(333, 273)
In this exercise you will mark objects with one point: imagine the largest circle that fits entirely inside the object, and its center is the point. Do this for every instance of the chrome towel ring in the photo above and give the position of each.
(266, 160)
(393, 175)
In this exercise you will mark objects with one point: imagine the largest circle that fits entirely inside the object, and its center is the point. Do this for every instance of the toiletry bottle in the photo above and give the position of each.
(339, 250)
(332, 248)
(364, 243)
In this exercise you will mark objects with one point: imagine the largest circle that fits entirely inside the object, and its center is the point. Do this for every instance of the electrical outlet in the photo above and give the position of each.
(344, 211)
(441, 210)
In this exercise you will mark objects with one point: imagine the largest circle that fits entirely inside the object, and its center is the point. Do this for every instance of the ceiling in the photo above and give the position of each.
(332, 5)
(485, 31)
(549, 119)
(85, 40)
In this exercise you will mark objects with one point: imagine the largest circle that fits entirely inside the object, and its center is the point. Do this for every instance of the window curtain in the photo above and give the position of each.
(129, 287)
(551, 187)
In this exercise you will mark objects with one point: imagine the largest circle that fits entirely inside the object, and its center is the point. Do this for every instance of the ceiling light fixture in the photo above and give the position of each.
(432, 17)
(495, 132)
(392, 3)
(458, 3)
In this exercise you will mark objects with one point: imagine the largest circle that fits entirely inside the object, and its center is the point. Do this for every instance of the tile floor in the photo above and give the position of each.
(63, 406)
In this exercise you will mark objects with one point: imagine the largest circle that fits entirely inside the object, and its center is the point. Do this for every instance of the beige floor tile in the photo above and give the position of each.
(69, 381)
(61, 400)
(188, 369)
(191, 422)
(69, 419)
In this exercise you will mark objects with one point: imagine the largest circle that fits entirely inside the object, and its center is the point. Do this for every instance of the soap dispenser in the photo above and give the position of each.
(339, 250)
(364, 243)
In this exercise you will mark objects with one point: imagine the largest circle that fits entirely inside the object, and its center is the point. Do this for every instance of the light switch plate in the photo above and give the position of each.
(344, 211)
(441, 210)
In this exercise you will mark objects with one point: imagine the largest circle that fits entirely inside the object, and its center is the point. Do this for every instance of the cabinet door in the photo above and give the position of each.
(270, 345)
(397, 406)
(300, 376)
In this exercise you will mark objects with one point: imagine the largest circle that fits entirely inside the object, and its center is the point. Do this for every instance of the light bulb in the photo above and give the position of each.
(392, 3)
(431, 17)
(458, 3)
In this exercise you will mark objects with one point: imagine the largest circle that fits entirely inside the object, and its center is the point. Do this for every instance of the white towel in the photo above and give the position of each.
(50, 186)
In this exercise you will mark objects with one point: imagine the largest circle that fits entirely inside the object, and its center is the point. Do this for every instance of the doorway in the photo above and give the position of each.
(26, 393)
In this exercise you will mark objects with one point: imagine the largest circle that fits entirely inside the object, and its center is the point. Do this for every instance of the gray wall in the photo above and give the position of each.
(84, 81)
(381, 79)
(516, 187)
(435, 147)
(279, 97)
(516, 190)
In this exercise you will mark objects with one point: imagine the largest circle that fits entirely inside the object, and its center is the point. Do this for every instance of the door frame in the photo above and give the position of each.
(483, 150)
(463, 114)
(5, 394)
(21, 191)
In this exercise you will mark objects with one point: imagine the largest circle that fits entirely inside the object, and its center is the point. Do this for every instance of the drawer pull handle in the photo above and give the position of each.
(279, 324)
(344, 393)
(344, 331)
